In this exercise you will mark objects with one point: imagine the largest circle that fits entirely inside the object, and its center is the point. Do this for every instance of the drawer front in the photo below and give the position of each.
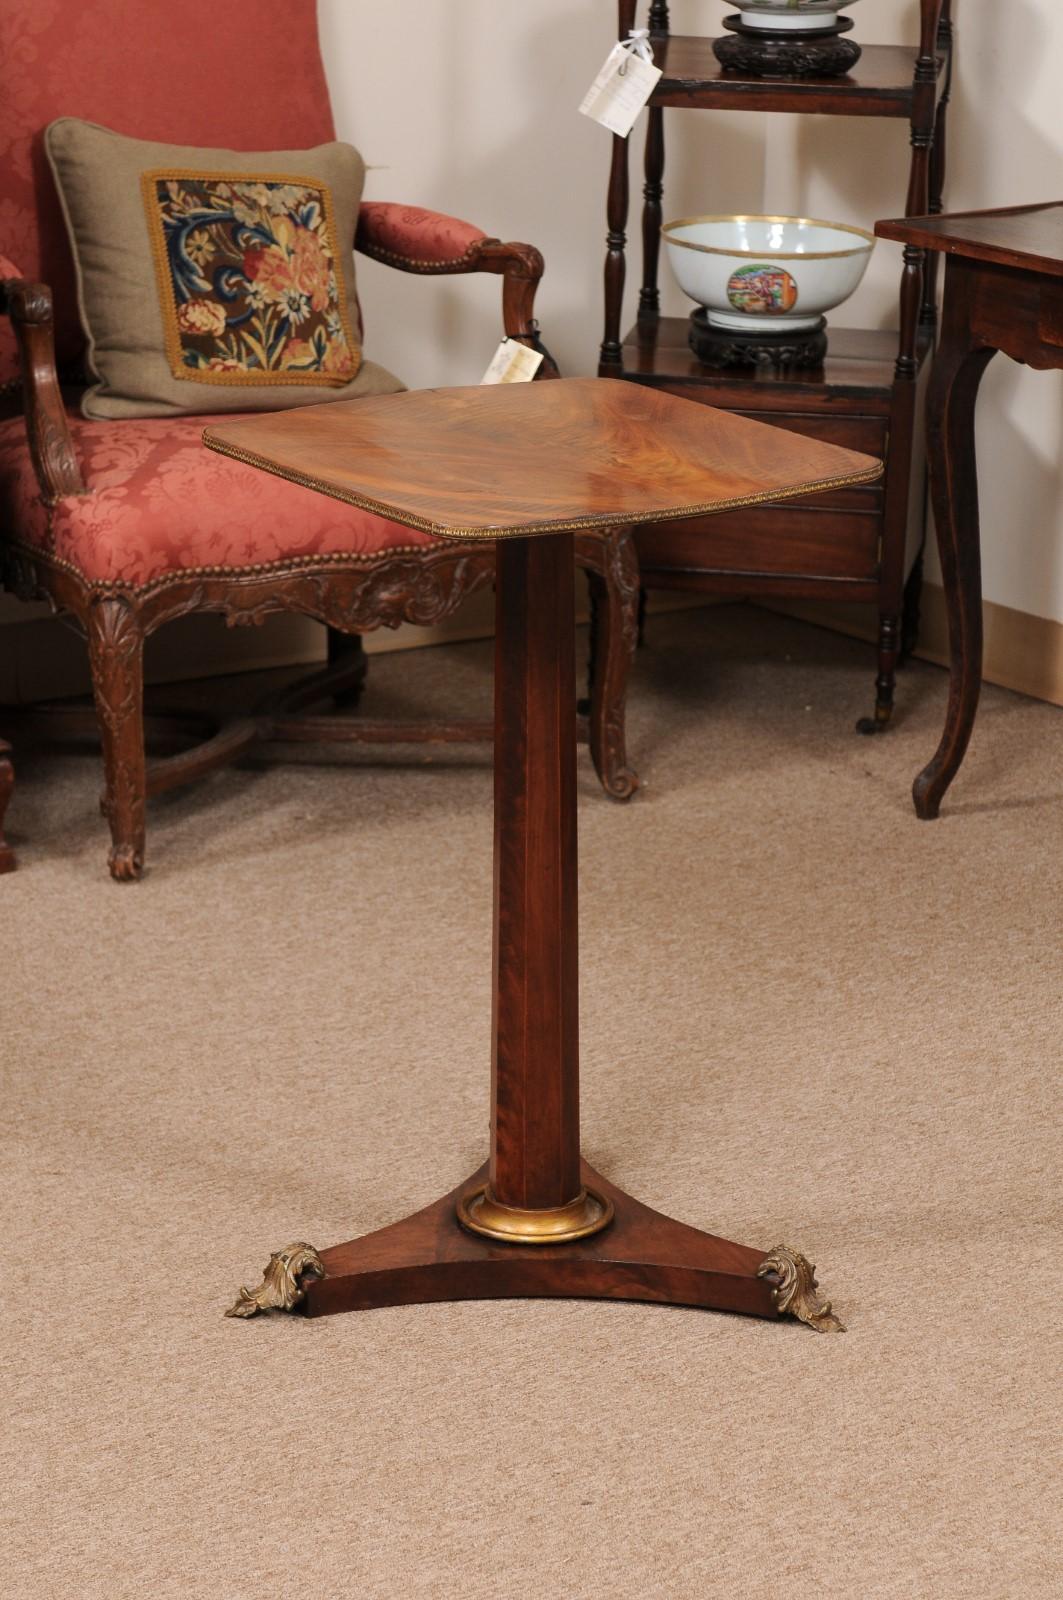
(867, 434)
(833, 421)
(807, 539)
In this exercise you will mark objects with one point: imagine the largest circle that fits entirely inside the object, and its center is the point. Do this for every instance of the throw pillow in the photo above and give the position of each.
(212, 280)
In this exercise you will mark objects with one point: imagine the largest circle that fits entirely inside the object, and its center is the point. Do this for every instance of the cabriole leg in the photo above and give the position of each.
(116, 658)
(954, 495)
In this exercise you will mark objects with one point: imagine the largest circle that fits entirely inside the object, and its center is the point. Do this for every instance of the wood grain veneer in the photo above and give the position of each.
(515, 460)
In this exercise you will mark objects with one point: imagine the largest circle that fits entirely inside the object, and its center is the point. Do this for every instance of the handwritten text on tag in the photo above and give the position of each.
(513, 362)
(620, 90)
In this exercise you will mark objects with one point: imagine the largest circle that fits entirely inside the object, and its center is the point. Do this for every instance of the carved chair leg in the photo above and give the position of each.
(347, 650)
(7, 784)
(613, 577)
(116, 657)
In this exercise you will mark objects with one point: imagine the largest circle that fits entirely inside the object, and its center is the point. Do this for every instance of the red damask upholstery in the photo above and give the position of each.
(160, 504)
(110, 520)
(409, 236)
(199, 73)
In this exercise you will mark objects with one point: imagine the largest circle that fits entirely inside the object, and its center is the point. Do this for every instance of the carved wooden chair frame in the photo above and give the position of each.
(351, 595)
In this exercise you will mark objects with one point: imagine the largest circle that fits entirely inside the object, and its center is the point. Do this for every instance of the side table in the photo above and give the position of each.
(530, 465)
(1003, 291)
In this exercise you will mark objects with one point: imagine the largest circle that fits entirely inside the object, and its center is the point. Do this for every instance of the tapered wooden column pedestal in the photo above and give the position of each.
(537, 1220)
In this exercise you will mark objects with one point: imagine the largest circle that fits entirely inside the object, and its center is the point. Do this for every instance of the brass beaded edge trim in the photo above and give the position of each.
(410, 519)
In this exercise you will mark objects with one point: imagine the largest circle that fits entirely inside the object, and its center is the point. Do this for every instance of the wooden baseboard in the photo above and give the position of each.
(1022, 652)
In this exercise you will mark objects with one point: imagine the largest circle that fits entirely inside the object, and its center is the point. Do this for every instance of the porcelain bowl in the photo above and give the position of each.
(779, 16)
(766, 274)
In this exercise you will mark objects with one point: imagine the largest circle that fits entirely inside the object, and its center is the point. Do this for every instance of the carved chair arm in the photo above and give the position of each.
(415, 240)
(29, 305)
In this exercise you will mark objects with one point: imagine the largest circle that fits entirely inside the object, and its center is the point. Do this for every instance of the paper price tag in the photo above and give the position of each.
(513, 362)
(620, 90)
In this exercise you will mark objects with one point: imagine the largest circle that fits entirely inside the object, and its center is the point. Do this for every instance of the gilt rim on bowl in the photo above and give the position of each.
(775, 255)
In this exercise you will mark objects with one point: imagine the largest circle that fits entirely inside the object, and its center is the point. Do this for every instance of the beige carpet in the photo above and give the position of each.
(806, 1017)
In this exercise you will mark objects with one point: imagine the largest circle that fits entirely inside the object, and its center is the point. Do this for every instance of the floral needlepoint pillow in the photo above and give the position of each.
(247, 273)
(212, 280)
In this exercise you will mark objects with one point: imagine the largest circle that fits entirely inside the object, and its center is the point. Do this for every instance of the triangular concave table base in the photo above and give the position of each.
(642, 1255)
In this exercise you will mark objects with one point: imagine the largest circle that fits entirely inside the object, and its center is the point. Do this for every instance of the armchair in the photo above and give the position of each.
(127, 525)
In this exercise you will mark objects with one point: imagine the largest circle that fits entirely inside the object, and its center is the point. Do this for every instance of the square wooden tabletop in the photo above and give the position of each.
(513, 460)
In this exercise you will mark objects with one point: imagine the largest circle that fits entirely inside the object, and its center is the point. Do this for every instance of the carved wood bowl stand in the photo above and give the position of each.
(530, 466)
(796, 53)
(726, 347)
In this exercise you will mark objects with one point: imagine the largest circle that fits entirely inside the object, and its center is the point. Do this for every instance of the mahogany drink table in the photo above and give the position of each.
(1003, 291)
(528, 465)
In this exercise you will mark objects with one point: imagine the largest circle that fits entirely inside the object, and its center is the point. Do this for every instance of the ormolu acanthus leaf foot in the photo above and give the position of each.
(280, 1288)
(795, 1294)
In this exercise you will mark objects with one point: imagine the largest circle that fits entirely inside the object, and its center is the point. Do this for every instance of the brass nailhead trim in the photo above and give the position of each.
(417, 264)
(181, 574)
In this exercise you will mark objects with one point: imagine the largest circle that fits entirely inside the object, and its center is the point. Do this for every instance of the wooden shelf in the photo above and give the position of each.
(860, 367)
(880, 85)
(869, 394)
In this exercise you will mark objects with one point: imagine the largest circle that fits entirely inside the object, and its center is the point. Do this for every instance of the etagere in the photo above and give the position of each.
(861, 544)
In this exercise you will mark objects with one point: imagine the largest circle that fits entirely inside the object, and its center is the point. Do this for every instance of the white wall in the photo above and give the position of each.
(469, 106)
